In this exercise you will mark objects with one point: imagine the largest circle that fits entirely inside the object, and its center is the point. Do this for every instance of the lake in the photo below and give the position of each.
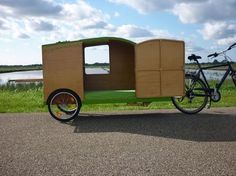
(211, 74)
(4, 77)
(38, 74)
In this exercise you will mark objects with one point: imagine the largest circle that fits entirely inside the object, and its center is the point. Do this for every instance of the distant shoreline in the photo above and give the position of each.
(11, 71)
(21, 68)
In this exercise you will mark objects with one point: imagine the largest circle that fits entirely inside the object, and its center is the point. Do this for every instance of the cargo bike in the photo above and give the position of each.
(147, 71)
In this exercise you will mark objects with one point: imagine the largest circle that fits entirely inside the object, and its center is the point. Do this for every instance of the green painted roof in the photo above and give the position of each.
(93, 41)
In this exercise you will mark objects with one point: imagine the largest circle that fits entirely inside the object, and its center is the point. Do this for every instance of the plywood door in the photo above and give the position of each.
(159, 68)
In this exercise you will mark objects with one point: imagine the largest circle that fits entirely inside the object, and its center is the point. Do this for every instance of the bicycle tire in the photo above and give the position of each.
(188, 93)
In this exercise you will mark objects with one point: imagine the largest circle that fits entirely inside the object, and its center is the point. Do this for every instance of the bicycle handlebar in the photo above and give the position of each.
(214, 54)
(217, 54)
(231, 46)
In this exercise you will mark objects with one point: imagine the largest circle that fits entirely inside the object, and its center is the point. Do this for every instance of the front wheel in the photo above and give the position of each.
(64, 104)
(195, 98)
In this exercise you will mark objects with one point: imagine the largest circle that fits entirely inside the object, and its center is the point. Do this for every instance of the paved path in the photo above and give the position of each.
(154, 143)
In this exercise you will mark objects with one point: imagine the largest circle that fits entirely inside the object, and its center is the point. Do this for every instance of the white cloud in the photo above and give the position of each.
(5, 11)
(208, 11)
(22, 35)
(144, 6)
(213, 30)
(227, 41)
(132, 31)
(3, 25)
(93, 24)
(193, 48)
(13, 29)
(29, 7)
(81, 10)
(224, 33)
(73, 19)
(218, 18)
(18, 33)
(188, 11)
(41, 25)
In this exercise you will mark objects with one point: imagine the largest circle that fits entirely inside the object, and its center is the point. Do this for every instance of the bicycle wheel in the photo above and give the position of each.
(195, 98)
(64, 105)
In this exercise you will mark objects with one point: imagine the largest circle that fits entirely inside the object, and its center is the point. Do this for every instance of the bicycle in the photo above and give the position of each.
(198, 92)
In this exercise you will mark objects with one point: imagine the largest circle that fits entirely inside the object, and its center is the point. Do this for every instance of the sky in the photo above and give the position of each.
(206, 26)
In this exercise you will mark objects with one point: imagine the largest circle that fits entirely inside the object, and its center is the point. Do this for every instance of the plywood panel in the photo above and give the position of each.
(172, 83)
(63, 68)
(172, 55)
(147, 55)
(148, 84)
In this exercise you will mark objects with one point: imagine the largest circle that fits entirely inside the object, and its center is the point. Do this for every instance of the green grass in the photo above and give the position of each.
(228, 94)
(29, 98)
(116, 96)
(21, 98)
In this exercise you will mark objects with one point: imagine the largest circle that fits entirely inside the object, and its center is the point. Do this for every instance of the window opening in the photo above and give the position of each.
(97, 59)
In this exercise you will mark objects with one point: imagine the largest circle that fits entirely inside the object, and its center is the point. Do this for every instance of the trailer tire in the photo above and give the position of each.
(64, 104)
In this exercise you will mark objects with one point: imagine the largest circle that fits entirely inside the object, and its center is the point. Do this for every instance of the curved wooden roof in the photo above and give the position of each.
(93, 41)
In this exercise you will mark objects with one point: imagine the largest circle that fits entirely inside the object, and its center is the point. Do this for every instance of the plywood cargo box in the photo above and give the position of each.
(153, 68)
(159, 68)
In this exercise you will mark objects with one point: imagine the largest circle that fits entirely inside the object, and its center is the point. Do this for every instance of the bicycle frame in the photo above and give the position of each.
(200, 72)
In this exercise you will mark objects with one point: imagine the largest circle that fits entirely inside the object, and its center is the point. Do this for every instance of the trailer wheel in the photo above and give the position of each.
(64, 104)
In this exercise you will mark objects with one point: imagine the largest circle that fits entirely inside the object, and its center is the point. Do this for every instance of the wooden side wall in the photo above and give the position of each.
(159, 68)
(63, 68)
(122, 75)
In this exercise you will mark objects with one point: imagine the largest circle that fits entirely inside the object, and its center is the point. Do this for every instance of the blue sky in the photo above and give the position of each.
(205, 25)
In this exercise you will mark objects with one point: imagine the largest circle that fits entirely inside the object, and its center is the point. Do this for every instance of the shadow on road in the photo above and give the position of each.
(200, 127)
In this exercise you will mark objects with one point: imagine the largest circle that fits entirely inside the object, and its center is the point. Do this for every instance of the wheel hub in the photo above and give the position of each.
(215, 96)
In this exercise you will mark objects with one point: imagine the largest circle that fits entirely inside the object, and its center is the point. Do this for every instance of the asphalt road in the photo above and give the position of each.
(143, 143)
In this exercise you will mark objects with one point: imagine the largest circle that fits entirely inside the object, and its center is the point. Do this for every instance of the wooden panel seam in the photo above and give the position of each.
(160, 68)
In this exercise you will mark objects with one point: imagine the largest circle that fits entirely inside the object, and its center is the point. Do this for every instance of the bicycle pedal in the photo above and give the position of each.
(208, 106)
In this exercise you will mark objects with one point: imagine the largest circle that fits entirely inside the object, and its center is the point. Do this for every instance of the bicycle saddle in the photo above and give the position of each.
(194, 57)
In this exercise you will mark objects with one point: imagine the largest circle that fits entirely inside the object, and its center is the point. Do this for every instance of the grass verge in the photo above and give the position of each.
(29, 98)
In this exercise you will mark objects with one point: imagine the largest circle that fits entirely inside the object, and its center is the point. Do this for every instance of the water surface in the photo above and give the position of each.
(38, 74)
(4, 77)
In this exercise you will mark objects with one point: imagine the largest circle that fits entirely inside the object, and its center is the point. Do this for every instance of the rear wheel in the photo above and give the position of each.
(64, 104)
(195, 98)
